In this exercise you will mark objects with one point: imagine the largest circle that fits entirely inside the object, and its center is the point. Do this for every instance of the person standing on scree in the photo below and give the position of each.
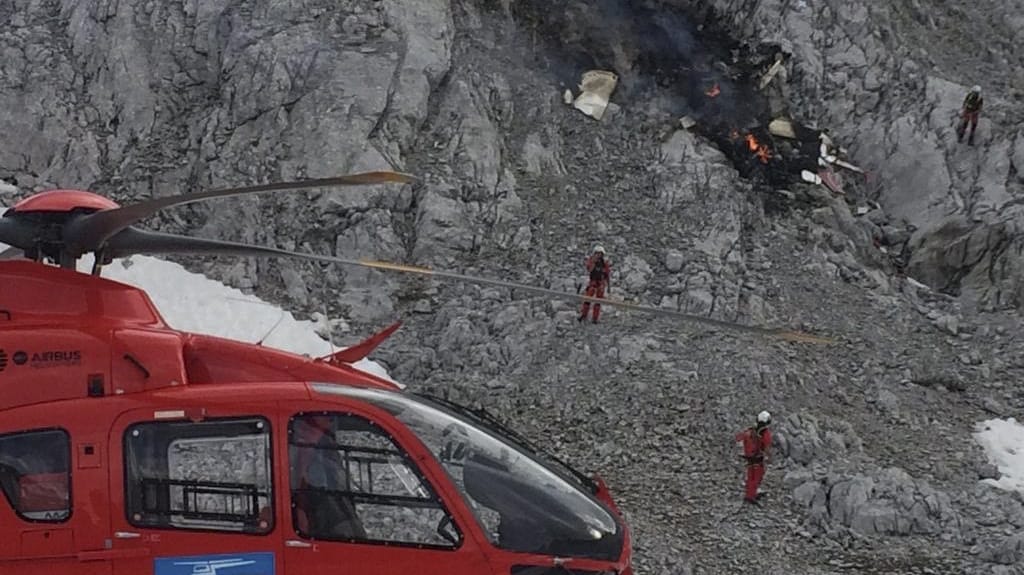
(756, 442)
(600, 272)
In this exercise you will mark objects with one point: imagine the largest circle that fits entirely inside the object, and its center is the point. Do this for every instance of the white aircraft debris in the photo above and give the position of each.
(810, 177)
(597, 86)
(849, 166)
(771, 73)
(782, 128)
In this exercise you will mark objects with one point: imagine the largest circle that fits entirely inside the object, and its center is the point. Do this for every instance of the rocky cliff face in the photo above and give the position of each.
(134, 99)
(889, 79)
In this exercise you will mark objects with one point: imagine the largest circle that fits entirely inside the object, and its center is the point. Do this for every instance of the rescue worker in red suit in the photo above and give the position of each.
(756, 441)
(969, 114)
(600, 274)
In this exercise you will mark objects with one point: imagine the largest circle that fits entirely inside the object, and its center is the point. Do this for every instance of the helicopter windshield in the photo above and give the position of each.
(520, 503)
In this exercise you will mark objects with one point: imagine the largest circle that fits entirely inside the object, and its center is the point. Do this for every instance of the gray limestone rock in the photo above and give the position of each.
(543, 158)
(1018, 155)
(635, 273)
(840, 55)
(144, 99)
(1007, 552)
(426, 30)
(893, 503)
(674, 260)
(888, 400)
(802, 438)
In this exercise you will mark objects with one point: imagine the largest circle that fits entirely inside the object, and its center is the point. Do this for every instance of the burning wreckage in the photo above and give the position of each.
(779, 154)
(782, 153)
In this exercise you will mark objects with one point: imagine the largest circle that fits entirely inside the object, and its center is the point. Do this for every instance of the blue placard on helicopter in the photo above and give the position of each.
(226, 564)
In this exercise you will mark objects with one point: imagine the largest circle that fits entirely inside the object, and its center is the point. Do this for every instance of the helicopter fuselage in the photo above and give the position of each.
(129, 447)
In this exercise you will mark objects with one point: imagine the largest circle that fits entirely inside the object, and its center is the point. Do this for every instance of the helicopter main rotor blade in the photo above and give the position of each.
(89, 232)
(779, 333)
(136, 241)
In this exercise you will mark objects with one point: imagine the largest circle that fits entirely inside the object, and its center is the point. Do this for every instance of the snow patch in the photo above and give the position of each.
(1003, 441)
(192, 302)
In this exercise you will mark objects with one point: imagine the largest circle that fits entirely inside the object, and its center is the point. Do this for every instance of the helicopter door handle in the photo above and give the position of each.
(297, 543)
(126, 535)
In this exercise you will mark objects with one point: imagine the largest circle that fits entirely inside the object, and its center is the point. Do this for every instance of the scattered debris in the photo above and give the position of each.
(597, 86)
(782, 127)
(849, 166)
(831, 180)
(826, 155)
(814, 153)
(774, 84)
(810, 177)
(830, 154)
(771, 73)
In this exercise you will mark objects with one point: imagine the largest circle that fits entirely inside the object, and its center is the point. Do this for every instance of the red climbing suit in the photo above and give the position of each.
(755, 448)
(600, 272)
(969, 115)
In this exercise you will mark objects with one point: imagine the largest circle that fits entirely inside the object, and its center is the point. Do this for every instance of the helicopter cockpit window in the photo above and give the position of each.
(35, 474)
(351, 481)
(520, 503)
(210, 475)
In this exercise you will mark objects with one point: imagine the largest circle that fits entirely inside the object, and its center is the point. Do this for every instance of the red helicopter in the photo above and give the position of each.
(128, 447)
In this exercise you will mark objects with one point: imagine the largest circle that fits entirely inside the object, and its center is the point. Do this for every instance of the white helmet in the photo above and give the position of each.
(764, 418)
(599, 250)
(976, 89)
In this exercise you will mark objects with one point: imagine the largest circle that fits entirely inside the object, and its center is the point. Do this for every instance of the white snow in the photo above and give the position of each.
(1003, 441)
(194, 303)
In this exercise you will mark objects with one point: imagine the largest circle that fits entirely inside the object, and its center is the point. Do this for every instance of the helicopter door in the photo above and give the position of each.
(359, 498)
(193, 496)
(48, 525)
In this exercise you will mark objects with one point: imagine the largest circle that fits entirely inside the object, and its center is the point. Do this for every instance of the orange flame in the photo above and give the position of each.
(760, 150)
(713, 91)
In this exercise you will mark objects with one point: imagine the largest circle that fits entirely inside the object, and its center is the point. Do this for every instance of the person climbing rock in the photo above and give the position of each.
(600, 272)
(969, 114)
(756, 442)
